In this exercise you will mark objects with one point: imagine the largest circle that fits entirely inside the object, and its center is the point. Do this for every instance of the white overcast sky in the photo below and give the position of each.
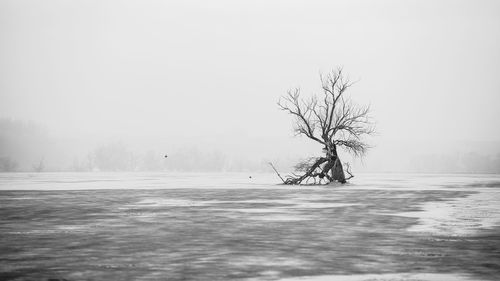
(213, 70)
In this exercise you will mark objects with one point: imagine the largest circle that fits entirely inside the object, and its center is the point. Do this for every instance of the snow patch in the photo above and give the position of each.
(386, 277)
(459, 217)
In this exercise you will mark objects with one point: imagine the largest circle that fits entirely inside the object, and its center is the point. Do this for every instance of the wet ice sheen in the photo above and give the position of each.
(386, 277)
(226, 227)
(284, 209)
(459, 217)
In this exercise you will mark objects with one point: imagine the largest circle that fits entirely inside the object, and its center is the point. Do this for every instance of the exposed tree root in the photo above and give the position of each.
(322, 170)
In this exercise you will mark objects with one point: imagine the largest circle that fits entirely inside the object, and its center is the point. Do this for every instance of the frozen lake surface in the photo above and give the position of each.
(165, 226)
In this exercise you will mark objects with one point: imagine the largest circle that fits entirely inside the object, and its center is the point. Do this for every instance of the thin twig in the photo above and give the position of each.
(272, 166)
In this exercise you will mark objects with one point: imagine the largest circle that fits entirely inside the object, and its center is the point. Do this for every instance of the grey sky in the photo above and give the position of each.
(212, 71)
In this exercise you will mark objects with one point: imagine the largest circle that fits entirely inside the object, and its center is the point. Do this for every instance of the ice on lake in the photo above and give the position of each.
(175, 226)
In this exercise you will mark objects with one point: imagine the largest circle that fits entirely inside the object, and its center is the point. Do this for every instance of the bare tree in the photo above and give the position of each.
(331, 120)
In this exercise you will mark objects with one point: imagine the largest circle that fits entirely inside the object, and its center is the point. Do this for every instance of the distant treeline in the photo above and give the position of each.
(27, 147)
(117, 157)
(470, 162)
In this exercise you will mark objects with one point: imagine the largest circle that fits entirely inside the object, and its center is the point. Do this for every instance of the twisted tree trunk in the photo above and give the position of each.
(337, 169)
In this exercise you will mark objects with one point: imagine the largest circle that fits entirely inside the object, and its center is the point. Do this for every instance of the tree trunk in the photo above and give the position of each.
(338, 171)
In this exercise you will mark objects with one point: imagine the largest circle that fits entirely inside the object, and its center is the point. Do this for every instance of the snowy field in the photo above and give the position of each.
(163, 226)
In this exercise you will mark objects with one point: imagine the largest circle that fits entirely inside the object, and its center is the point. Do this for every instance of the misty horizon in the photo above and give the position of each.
(26, 144)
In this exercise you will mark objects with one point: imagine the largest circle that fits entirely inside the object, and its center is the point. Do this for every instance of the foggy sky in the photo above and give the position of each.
(163, 74)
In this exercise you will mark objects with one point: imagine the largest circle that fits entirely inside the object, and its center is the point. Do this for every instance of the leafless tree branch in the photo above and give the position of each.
(333, 121)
